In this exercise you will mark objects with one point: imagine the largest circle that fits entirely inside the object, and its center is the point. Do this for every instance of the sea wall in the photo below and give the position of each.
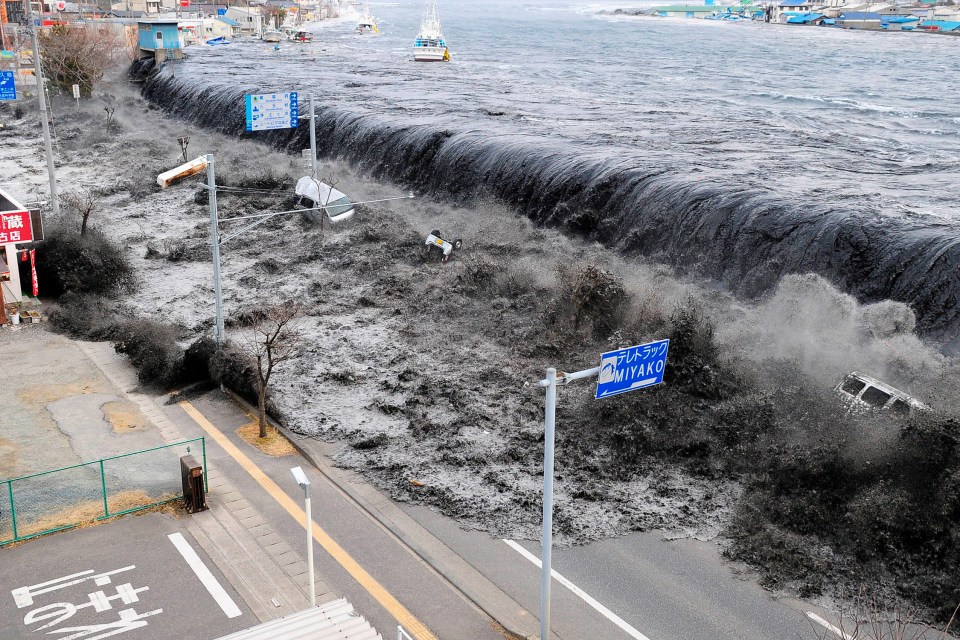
(743, 237)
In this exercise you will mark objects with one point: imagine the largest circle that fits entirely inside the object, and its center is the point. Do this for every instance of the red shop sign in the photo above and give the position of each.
(15, 227)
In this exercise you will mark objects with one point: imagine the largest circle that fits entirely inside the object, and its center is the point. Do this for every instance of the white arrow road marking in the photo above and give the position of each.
(829, 627)
(209, 581)
(606, 613)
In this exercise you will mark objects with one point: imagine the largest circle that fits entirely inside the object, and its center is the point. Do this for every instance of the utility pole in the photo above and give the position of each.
(313, 139)
(42, 95)
(215, 248)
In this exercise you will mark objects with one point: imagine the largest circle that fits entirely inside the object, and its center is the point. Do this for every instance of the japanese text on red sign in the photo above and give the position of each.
(15, 227)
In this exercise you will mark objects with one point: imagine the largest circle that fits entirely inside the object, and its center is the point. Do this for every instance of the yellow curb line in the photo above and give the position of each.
(413, 626)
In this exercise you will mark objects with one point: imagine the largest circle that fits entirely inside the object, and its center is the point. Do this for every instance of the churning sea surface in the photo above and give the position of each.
(749, 149)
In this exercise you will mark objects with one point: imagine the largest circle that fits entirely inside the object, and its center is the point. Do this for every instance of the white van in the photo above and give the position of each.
(319, 195)
(865, 392)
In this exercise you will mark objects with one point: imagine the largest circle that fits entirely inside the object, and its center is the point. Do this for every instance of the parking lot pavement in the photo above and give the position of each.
(140, 578)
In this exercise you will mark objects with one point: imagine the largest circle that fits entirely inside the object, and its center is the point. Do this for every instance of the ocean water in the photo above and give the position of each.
(737, 151)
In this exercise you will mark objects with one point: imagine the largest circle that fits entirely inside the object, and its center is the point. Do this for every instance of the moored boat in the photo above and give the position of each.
(366, 23)
(272, 36)
(430, 45)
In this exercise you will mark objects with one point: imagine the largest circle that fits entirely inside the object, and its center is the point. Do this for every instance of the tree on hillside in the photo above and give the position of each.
(275, 338)
(79, 54)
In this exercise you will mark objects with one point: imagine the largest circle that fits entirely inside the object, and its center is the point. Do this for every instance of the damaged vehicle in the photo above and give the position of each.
(318, 196)
(863, 392)
(439, 249)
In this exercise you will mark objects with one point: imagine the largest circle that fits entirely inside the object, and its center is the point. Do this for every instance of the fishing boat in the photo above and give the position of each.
(302, 36)
(272, 36)
(430, 45)
(366, 23)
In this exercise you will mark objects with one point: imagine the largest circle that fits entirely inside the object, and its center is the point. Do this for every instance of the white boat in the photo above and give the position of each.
(272, 36)
(430, 45)
(366, 23)
(301, 36)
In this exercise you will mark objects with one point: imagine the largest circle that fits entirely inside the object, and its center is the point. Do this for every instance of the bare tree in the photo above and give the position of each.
(109, 108)
(83, 203)
(79, 54)
(868, 618)
(276, 338)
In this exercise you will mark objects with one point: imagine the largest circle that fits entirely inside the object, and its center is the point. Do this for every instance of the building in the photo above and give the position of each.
(868, 20)
(685, 11)
(900, 23)
(250, 22)
(808, 19)
(159, 39)
(17, 225)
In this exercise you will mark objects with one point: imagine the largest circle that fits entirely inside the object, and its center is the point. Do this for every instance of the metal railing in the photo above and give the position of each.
(49, 501)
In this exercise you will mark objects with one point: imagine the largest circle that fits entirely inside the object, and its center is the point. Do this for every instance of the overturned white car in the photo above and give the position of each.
(437, 247)
(320, 196)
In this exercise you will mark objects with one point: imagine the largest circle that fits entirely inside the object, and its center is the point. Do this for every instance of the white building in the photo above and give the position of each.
(250, 21)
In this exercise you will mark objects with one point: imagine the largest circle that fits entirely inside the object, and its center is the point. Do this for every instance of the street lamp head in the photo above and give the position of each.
(300, 477)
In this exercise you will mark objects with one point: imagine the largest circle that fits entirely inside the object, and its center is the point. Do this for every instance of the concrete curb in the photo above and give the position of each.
(466, 579)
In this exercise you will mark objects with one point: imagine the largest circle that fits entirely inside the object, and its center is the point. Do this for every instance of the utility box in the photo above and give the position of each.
(191, 475)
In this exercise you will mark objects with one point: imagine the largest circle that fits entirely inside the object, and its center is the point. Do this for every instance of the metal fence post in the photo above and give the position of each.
(13, 509)
(103, 486)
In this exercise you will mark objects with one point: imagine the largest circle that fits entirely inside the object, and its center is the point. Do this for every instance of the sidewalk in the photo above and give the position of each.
(268, 574)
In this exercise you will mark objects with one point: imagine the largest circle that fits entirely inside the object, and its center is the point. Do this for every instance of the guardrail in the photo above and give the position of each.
(49, 501)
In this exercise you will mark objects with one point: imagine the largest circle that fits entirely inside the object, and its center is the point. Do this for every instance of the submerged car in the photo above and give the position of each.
(316, 196)
(865, 392)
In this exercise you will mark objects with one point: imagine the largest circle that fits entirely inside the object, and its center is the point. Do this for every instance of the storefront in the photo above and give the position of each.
(17, 227)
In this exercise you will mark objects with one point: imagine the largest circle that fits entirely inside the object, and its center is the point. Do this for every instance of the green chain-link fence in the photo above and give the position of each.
(45, 502)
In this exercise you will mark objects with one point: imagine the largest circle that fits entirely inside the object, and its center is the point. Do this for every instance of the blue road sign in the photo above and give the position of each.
(8, 88)
(273, 111)
(632, 368)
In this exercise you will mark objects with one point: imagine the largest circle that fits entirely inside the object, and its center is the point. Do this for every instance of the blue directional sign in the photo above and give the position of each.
(273, 111)
(632, 368)
(8, 89)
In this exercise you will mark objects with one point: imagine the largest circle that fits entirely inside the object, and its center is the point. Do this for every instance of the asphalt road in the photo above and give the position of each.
(680, 590)
(127, 578)
(415, 585)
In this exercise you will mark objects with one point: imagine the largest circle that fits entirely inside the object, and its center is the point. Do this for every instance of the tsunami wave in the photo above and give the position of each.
(745, 237)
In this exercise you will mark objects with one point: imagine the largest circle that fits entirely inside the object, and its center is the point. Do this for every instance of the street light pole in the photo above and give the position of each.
(215, 249)
(304, 483)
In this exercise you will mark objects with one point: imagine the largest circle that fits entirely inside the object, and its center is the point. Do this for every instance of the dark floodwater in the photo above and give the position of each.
(737, 151)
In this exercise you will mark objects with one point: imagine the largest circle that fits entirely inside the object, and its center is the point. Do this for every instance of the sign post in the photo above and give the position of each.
(273, 111)
(8, 86)
(620, 371)
(76, 95)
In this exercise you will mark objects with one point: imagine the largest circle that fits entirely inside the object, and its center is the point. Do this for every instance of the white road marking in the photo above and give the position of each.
(606, 613)
(209, 581)
(828, 626)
